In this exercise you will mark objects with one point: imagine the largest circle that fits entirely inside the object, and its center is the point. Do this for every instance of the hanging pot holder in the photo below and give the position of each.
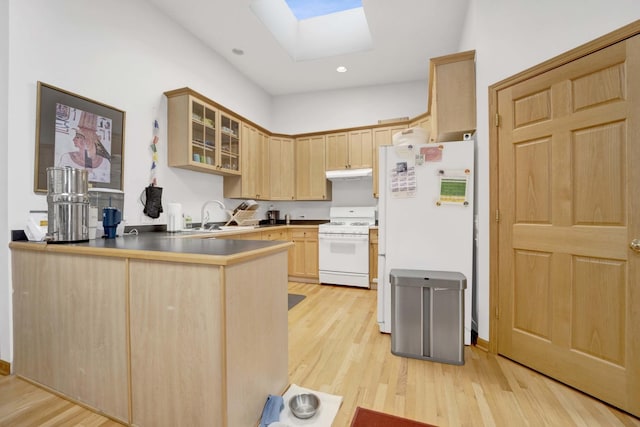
(151, 199)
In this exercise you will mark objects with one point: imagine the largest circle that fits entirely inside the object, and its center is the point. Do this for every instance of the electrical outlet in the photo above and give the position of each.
(145, 220)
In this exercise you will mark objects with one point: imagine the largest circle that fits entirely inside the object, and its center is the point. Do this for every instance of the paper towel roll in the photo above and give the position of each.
(174, 217)
(93, 222)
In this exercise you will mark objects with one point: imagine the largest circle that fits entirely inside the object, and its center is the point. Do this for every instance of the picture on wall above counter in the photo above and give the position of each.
(77, 132)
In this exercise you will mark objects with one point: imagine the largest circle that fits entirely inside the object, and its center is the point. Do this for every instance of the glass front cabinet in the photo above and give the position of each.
(201, 136)
(229, 142)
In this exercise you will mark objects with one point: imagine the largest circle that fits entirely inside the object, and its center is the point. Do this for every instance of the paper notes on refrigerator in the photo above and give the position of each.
(403, 181)
(453, 187)
(432, 153)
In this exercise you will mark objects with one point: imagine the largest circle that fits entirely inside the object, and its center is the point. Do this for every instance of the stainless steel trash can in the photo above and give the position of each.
(427, 315)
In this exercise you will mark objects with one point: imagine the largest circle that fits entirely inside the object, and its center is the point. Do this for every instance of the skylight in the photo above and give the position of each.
(304, 9)
(323, 34)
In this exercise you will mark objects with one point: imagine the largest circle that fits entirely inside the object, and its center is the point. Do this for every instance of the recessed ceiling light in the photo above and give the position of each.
(237, 51)
(341, 69)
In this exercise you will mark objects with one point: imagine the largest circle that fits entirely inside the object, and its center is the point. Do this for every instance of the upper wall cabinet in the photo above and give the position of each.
(360, 149)
(202, 137)
(349, 150)
(452, 96)
(282, 168)
(337, 150)
(311, 179)
(254, 181)
(423, 121)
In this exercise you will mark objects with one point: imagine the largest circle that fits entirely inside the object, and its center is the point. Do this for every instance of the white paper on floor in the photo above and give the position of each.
(329, 405)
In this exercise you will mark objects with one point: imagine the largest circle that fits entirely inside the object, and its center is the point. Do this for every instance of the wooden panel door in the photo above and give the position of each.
(360, 149)
(251, 163)
(254, 183)
(452, 96)
(70, 327)
(264, 175)
(304, 256)
(311, 181)
(282, 168)
(177, 371)
(311, 254)
(337, 151)
(296, 255)
(568, 281)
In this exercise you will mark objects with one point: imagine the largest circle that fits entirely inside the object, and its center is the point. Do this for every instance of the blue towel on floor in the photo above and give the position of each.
(271, 410)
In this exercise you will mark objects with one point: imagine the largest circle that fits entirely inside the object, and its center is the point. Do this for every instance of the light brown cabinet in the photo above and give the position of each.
(349, 150)
(178, 310)
(303, 259)
(275, 234)
(360, 149)
(382, 136)
(201, 136)
(69, 326)
(423, 121)
(452, 96)
(206, 137)
(311, 180)
(153, 338)
(337, 150)
(248, 235)
(282, 169)
(283, 234)
(373, 258)
(254, 181)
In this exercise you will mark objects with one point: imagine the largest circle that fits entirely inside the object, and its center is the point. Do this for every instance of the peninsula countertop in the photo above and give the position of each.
(156, 328)
(166, 247)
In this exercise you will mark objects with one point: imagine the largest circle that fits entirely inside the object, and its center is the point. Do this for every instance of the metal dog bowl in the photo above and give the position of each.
(304, 405)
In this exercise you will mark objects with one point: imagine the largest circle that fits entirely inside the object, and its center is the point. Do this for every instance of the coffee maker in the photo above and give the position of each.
(273, 216)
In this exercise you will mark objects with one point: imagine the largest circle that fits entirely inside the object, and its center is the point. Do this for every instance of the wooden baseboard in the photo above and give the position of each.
(303, 279)
(482, 344)
(5, 368)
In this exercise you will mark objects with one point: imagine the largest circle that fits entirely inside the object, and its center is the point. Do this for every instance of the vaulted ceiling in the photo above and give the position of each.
(404, 35)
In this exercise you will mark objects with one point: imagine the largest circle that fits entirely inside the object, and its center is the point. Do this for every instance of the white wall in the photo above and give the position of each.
(117, 57)
(5, 288)
(122, 53)
(509, 37)
(363, 106)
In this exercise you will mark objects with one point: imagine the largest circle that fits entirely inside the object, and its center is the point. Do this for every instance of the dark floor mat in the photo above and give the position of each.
(295, 299)
(368, 418)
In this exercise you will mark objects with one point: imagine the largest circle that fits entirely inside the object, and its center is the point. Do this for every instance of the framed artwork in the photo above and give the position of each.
(75, 131)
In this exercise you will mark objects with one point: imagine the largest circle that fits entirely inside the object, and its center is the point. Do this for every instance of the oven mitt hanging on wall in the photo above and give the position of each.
(152, 201)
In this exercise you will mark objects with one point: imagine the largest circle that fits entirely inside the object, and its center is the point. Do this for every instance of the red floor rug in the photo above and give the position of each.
(368, 418)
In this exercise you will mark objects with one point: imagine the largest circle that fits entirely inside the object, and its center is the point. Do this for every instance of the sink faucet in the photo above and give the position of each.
(202, 211)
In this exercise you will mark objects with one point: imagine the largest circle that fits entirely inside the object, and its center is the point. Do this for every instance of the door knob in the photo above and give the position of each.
(635, 245)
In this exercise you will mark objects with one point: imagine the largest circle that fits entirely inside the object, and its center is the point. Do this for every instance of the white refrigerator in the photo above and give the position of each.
(426, 216)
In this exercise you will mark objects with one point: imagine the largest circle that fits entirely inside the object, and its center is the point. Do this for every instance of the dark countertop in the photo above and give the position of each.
(165, 246)
(281, 222)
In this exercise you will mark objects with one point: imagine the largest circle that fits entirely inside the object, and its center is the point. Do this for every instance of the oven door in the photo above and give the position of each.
(344, 253)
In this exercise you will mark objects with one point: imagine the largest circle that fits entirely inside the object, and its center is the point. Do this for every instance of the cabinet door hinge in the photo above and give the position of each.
(497, 120)
(497, 215)
(497, 313)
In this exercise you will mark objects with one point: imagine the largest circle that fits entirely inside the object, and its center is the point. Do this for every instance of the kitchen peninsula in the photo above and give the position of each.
(154, 330)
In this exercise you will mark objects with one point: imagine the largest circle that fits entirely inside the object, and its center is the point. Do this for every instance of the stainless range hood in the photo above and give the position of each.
(349, 174)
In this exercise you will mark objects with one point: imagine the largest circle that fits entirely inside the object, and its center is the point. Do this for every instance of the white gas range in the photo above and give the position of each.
(343, 246)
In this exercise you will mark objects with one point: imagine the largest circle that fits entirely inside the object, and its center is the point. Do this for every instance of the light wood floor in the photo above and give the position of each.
(335, 347)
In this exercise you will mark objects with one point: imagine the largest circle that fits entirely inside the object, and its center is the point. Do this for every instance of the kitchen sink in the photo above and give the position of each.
(198, 232)
(236, 227)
